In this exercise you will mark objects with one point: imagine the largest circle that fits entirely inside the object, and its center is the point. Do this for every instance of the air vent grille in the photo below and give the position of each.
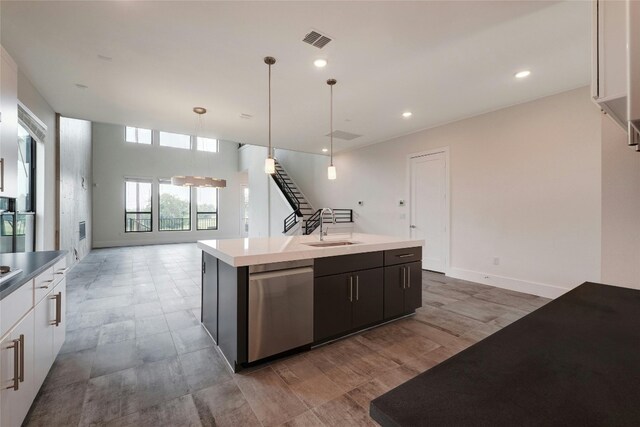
(316, 39)
(340, 134)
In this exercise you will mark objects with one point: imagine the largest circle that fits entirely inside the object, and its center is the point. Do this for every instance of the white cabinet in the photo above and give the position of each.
(615, 27)
(8, 125)
(17, 373)
(45, 313)
(60, 326)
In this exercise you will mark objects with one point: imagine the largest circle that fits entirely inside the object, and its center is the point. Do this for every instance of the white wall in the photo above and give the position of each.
(46, 165)
(75, 187)
(114, 159)
(525, 187)
(251, 162)
(620, 208)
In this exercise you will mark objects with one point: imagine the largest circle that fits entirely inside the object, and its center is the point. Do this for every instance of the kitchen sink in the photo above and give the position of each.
(329, 244)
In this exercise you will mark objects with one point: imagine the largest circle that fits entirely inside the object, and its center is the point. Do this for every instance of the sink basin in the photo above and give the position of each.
(329, 244)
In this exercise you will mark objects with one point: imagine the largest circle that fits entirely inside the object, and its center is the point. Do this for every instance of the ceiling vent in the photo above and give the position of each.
(316, 39)
(340, 134)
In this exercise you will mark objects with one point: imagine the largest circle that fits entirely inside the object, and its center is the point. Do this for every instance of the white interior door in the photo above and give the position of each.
(429, 208)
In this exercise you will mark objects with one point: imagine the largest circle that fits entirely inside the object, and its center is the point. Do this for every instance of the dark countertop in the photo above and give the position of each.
(31, 264)
(573, 362)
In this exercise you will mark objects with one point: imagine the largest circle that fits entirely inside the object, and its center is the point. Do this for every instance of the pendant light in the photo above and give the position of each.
(331, 171)
(198, 181)
(270, 163)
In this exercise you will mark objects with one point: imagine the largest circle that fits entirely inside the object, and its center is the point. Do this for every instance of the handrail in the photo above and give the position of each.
(290, 221)
(341, 216)
(287, 191)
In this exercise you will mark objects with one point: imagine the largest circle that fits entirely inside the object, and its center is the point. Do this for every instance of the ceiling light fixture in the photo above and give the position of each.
(522, 74)
(324, 150)
(269, 163)
(198, 181)
(407, 114)
(320, 63)
(331, 171)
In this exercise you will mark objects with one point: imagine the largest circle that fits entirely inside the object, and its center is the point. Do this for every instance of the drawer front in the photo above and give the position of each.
(15, 306)
(402, 256)
(43, 284)
(59, 270)
(346, 263)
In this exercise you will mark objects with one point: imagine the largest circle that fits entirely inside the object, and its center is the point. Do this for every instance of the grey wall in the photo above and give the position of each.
(75, 185)
(114, 160)
(46, 164)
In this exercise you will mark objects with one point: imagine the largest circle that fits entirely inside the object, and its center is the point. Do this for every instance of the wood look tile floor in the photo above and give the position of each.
(136, 355)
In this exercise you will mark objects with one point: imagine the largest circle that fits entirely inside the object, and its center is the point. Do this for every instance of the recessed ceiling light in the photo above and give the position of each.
(324, 150)
(407, 114)
(320, 63)
(81, 86)
(522, 74)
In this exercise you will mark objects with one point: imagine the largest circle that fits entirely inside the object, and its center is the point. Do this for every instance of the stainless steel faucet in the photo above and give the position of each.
(333, 221)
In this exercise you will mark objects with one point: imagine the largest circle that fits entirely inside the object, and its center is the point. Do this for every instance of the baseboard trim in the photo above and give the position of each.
(534, 288)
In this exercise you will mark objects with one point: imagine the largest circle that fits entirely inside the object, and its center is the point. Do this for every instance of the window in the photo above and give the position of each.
(175, 140)
(207, 144)
(175, 207)
(245, 209)
(207, 208)
(137, 215)
(138, 135)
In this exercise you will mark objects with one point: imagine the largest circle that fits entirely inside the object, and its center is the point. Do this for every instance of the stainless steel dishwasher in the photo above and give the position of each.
(280, 307)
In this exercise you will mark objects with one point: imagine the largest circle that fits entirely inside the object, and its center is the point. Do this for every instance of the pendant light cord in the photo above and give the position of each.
(331, 123)
(269, 111)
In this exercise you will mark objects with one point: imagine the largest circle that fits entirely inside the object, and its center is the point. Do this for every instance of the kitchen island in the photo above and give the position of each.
(268, 297)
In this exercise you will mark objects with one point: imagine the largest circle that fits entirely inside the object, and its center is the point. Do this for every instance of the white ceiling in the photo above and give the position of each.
(441, 60)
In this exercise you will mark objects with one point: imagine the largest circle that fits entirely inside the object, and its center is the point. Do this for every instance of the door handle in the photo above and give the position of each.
(408, 276)
(404, 277)
(2, 176)
(58, 320)
(21, 339)
(357, 287)
(16, 362)
(351, 288)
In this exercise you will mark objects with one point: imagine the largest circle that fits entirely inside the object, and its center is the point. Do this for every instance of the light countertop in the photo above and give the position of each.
(264, 250)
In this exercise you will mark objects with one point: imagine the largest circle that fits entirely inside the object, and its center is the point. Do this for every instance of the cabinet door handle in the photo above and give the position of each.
(351, 288)
(2, 176)
(64, 270)
(408, 276)
(405, 255)
(58, 320)
(404, 277)
(357, 287)
(16, 362)
(21, 357)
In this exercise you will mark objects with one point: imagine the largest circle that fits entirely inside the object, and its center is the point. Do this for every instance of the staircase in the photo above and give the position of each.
(302, 209)
(304, 219)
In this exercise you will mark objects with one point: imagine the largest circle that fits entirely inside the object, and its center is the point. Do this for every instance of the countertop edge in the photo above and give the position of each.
(21, 279)
(311, 253)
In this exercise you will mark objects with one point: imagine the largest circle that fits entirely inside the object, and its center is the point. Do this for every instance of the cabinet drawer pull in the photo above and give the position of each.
(43, 287)
(357, 288)
(2, 176)
(21, 358)
(408, 276)
(351, 288)
(405, 255)
(404, 277)
(58, 320)
(16, 362)
(64, 270)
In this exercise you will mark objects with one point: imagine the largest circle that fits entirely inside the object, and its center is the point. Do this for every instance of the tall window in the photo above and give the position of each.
(138, 135)
(175, 140)
(175, 207)
(245, 209)
(207, 144)
(207, 208)
(137, 215)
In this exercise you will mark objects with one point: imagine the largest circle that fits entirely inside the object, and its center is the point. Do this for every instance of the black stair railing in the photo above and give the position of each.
(288, 192)
(313, 222)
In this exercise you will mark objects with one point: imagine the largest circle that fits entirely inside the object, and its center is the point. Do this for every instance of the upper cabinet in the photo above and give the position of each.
(8, 125)
(615, 81)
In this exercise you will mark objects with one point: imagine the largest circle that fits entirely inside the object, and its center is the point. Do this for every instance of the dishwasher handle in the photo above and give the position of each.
(280, 273)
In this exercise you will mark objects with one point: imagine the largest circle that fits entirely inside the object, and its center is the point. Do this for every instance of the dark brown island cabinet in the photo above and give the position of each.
(350, 293)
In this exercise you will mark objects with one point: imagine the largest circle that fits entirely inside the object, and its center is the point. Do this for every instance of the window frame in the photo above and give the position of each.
(195, 145)
(168, 181)
(216, 212)
(139, 180)
(160, 132)
(137, 141)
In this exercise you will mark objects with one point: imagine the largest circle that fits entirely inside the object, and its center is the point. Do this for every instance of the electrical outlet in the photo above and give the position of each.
(496, 261)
